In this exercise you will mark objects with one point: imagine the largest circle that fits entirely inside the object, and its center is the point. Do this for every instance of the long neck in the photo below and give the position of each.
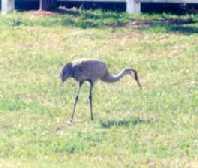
(113, 78)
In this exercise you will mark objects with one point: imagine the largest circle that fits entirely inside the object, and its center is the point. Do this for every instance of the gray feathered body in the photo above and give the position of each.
(88, 70)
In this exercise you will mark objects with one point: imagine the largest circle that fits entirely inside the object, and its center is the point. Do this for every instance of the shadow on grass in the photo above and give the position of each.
(184, 29)
(186, 24)
(123, 123)
(178, 25)
(99, 19)
(94, 19)
(85, 19)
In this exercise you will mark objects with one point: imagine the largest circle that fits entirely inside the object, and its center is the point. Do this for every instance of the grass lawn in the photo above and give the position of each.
(149, 128)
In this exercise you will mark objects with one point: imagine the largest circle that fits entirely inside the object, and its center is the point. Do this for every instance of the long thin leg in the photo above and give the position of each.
(76, 101)
(90, 99)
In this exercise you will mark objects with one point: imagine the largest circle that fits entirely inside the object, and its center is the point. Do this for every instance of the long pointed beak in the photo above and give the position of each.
(135, 76)
(139, 84)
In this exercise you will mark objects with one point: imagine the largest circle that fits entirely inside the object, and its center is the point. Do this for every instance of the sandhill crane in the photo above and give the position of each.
(92, 70)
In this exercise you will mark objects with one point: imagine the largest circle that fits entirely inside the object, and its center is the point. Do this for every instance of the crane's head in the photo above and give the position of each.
(134, 74)
(66, 72)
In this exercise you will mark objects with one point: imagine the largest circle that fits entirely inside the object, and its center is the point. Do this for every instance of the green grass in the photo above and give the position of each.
(153, 127)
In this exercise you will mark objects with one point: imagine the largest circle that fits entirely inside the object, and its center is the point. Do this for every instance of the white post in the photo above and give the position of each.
(7, 6)
(133, 6)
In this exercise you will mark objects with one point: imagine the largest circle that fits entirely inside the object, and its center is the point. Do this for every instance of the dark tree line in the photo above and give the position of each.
(46, 4)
